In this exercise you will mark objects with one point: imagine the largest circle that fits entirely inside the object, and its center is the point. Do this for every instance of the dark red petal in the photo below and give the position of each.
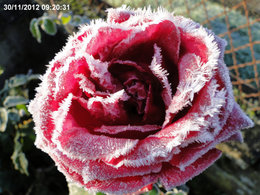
(145, 105)
(74, 136)
(154, 112)
(192, 152)
(117, 185)
(127, 131)
(122, 185)
(173, 176)
(140, 45)
(193, 44)
(97, 111)
(78, 143)
(98, 170)
(102, 44)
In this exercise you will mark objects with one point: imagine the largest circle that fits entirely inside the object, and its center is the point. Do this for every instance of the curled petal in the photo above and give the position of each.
(97, 170)
(161, 74)
(153, 33)
(116, 186)
(119, 15)
(192, 152)
(173, 176)
(77, 143)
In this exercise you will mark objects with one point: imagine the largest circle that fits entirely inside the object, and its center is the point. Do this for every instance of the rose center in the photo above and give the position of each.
(145, 104)
(136, 89)
(138, 92)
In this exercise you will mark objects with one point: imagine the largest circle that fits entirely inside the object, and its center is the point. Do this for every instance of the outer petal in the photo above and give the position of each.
(115, 186)
(193, 76)
(105, 39)
(97, 170)
(173, 176)
(119, 15)
(73, 135)
(236, 121)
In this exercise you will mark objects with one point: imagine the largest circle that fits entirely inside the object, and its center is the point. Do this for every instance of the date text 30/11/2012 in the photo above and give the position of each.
(28, 7)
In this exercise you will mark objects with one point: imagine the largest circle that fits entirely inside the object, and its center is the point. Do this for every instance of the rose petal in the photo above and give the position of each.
(193, 76)
(106, 38)
(194, 36)
(97, 170)
(115, 186)
(44, 99)
(161, 74)
(75, 140)
(101, 171)
(173, 176)
(122, 185)
(144, 41)
(129, 131)
(236, 137)
(165, 143)
(79, 144)
(146, 95)
(236, 121)
(190, 44)
(45, 102)
(118, 15)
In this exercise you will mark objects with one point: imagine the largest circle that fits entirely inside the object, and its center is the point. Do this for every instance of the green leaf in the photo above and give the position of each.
(33, 77)
(19, 159)
(75, 189)
(21, 79)
(22, 107)
(3, 119)
(49, 26)
(13, 115)
(100, 193)
(20, 162)
(76, 21)
(5, 88)
(65, 18)
(153, 192)
(11, 101)
(34, 28)
(17, 80)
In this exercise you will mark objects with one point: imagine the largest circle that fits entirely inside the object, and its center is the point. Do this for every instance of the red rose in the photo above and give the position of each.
(141, 97)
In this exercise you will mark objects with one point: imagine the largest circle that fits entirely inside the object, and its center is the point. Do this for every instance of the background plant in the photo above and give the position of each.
(23, 168)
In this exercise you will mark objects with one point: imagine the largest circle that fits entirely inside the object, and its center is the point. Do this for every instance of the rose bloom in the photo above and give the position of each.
(139, 98)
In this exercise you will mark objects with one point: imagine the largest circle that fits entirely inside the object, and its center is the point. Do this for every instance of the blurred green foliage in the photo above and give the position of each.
(23, 168)
(69, 20)
(91, 9)
(248, 106)
(49, 24)
(16, 127)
